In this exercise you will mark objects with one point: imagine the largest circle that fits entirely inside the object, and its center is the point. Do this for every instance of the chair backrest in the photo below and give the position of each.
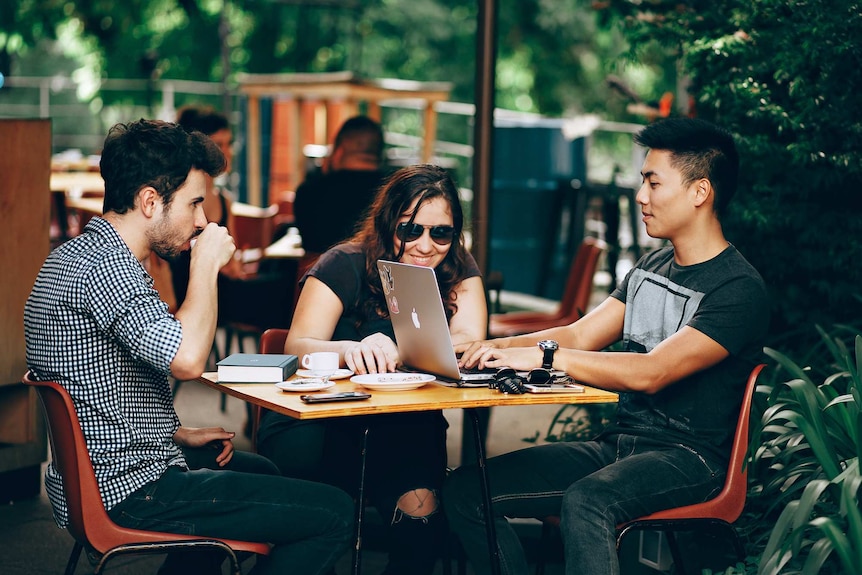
(272, 340)
(88, 520)
(253, 227)
(728, 504)
(579, 284)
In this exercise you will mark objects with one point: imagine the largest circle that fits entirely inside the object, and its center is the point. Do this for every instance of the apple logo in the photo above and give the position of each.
(415, 317)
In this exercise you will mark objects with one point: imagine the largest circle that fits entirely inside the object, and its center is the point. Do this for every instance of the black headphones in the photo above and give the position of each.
(506, 380)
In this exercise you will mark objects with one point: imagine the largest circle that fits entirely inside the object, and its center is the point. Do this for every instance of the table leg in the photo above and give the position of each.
(490, 528)
(360, 506)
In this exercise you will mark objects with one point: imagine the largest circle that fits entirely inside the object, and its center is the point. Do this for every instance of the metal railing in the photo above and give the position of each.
(81, 115)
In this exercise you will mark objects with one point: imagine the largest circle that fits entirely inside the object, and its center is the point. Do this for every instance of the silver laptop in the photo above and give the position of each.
(420, 325)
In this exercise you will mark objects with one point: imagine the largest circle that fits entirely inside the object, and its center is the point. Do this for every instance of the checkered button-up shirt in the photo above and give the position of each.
(94, 324)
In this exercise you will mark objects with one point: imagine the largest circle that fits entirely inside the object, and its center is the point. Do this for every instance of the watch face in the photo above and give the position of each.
(549, 344)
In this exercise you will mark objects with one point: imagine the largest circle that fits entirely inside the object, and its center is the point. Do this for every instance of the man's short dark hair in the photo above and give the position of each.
(202, 119)
(698, 149)
(360, 135)
(153, 153)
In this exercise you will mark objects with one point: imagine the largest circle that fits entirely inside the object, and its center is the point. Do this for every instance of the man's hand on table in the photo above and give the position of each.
(376, 353)
(215, 437)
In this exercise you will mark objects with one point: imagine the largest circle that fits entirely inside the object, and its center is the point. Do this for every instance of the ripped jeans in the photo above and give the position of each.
(592, 485)
(406, 452)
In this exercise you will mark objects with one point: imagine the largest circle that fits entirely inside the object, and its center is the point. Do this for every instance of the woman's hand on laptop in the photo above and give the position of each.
(376, 353)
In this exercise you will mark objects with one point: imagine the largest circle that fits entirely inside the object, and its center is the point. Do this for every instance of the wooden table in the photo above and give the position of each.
(286, 247)
(92, 206)
(76, 183)
(431, 397)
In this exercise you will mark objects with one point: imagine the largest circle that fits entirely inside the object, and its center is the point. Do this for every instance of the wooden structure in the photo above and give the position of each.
(25, 162)
(311, 108)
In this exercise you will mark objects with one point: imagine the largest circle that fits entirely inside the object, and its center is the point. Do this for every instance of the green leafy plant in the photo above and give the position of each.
(807, 450)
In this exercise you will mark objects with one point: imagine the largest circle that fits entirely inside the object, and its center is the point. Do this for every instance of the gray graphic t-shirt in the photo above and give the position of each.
(725, 299)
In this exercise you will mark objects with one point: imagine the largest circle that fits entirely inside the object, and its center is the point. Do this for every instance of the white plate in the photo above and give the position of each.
(311, 384)
(339, 374)
(393, 381)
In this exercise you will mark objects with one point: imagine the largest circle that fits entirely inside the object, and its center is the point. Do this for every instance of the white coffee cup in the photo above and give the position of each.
(321, 362)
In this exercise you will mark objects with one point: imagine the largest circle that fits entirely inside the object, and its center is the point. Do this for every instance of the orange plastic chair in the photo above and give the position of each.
(89, 523)
(573, 304)
(719, 512)
(271, 341)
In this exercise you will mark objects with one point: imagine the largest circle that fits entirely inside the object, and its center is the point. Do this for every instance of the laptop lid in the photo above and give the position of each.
(419, 319)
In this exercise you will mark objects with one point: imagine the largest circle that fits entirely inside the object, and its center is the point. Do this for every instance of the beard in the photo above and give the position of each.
(166, 242)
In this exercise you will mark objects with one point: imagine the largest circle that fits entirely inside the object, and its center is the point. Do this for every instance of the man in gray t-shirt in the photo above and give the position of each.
(691, 319)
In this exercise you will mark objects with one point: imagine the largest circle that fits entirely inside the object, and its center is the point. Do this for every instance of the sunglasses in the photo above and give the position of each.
(538, 376)
(410, 232)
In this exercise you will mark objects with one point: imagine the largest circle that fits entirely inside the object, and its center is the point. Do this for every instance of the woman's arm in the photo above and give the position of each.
(317, 313)
(471, 320)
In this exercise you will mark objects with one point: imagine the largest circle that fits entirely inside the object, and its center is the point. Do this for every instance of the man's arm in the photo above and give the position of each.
(198, 314)
(580, 355)
(597, 330)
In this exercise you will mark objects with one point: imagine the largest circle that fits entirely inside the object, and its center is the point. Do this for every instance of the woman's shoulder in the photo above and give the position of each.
(341, 256)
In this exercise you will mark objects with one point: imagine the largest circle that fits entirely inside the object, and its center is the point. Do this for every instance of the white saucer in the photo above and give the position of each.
(393, 381)
(311, 384)
(339, 374)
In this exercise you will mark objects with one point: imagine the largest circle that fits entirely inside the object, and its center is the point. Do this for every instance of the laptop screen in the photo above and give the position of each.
(418, 319)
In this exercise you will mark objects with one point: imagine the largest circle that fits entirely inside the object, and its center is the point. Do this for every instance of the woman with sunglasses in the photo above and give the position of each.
(417, 219)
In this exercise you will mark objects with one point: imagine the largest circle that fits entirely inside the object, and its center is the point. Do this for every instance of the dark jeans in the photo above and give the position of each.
(309, 524)
(406, 451)
(593, 486)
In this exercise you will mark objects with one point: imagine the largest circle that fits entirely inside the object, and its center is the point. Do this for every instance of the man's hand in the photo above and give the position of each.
(376, 353)
(214, 244)
(483, 354)
(471, 352)
(215, 437)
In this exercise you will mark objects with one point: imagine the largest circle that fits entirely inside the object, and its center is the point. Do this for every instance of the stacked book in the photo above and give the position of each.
(256, 368)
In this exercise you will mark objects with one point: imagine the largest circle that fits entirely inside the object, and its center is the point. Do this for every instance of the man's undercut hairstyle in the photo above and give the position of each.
(361, 136)
(156, 154)
(698, 149)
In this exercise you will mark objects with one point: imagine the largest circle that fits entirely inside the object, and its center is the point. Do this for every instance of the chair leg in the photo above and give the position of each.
(544, 547)
(73, 558)
(678, 563)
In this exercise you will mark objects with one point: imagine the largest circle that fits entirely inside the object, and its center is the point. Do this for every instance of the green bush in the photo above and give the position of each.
(805, 466)
(785, 77)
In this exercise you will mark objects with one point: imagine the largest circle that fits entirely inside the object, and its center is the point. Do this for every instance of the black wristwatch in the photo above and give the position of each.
(548, 347)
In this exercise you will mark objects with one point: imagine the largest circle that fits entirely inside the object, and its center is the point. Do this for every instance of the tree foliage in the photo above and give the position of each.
(553, 57)
(785, 76)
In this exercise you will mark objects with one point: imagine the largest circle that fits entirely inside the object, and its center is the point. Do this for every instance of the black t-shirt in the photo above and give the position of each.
(328, 207)
(342, 269)
(724, 298)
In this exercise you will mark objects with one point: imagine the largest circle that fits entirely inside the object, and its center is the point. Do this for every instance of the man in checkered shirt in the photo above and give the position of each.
(94, 323)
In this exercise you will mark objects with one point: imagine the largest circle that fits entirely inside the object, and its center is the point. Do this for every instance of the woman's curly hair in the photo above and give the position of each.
(377, 234)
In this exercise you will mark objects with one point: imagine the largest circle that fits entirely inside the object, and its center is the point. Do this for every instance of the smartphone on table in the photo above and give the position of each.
(341, 396)
(554, 388)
